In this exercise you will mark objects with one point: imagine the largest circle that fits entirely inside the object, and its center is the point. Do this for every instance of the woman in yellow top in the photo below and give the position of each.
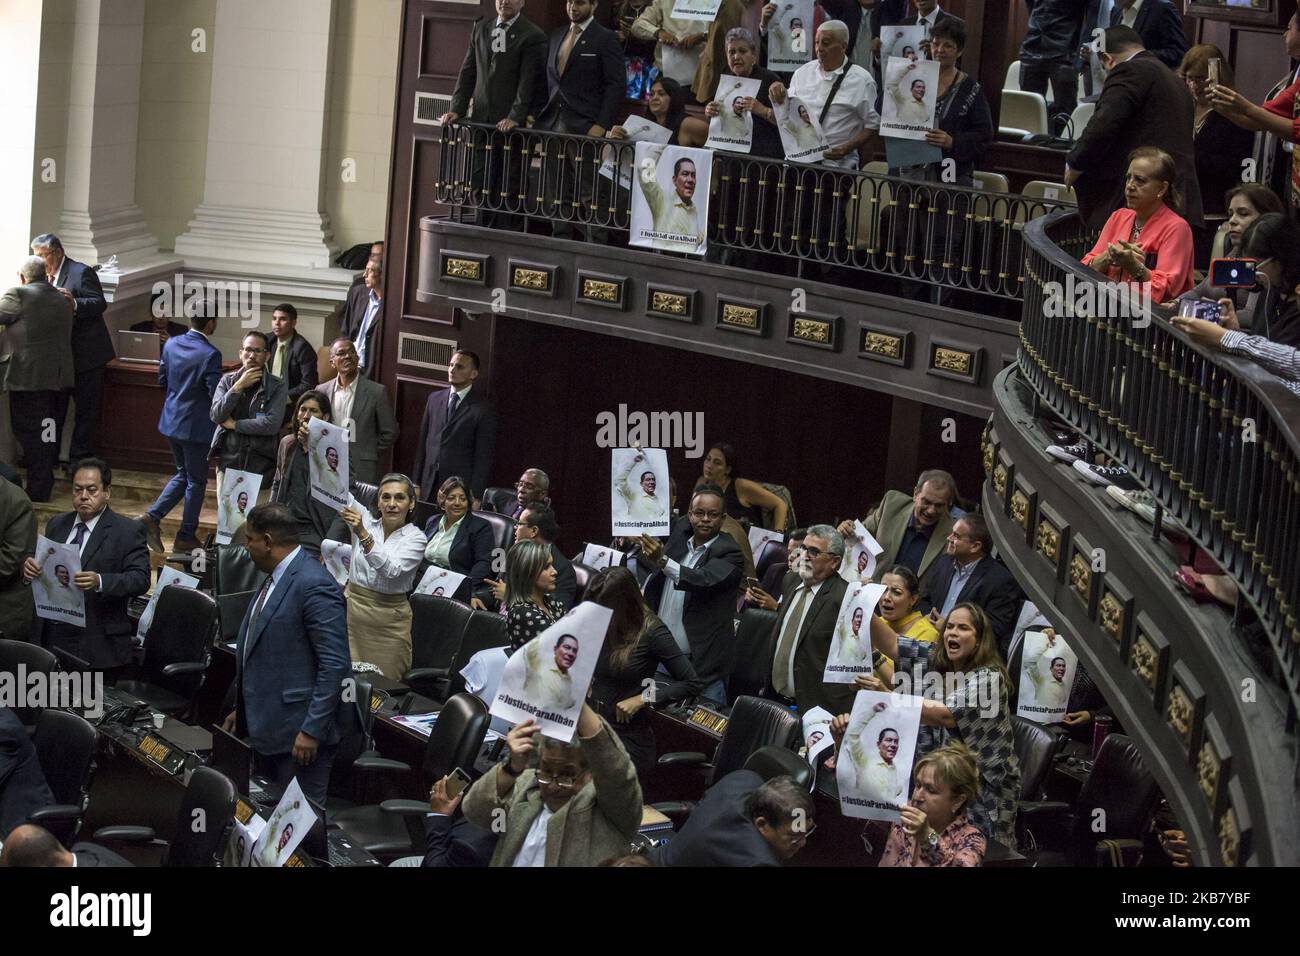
(898, 605)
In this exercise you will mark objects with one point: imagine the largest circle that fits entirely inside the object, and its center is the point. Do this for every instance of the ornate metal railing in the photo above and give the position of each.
(763, 213)
(1212, 436)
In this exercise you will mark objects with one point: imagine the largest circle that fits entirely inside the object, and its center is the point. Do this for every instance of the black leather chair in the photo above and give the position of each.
(751, 670)
(65, 749)
(33, 660)
(753, 723)
(503, 528)
(231, 609)
(356, 719)
(583, 573)
(437, 627)
(1120, 794)
(396, 827)
(1036, 748)
(235, 571)
(769, 762)
(769, 554)
(365, 493)
(177, 651)
(498, 500)
(483, 630)
(210, 797)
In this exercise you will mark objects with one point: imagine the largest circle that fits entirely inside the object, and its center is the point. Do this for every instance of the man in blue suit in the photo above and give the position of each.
(189, 370)
(291, 658)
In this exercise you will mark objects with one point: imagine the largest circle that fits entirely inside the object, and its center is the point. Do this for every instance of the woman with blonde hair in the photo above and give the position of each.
(934, 830)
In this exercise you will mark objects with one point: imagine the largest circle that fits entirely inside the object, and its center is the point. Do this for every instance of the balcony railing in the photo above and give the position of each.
(1212, 436)
(858, 228)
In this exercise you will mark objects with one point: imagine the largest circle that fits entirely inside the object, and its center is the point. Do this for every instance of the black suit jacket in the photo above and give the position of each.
(471, 550)
(814, 645)
(991, 586)
(501, 85)
(1160, 26)
(1144, 103)
(299, 368)
(354, 314)
(92, 854)
(593, 86)
(463, 445)
(23, 789)
(709, 611)
(454, 841)
(718, 833)
(117, 552)
(92, 346)
(566, 582)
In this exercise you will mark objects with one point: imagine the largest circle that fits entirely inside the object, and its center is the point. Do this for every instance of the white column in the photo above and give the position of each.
(263, 195)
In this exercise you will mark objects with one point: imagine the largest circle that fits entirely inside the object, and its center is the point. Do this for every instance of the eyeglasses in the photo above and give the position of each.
(525, 485)
(563, 783)
(252, 351)
(707, 515)
(811, 551)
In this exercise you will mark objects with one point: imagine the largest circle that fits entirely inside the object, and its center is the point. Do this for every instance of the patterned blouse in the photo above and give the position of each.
(961, 844)
(525, 620)
(990, 736)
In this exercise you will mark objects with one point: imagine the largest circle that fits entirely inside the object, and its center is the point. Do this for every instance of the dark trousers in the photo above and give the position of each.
(314, 779)
(189, 482)
(88, 391)
(31, 413)
(1065, 84)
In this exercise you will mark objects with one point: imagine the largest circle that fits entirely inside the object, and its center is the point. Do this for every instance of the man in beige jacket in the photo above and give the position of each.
(580, 806)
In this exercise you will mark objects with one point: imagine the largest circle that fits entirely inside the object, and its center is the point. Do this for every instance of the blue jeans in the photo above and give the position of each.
(314, 779)
(190, 482)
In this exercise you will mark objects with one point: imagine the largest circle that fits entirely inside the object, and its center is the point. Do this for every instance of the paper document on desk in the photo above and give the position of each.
(285, 829)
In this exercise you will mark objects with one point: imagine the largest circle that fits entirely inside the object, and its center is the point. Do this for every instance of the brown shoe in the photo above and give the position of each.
(152, 533)
(186, 545)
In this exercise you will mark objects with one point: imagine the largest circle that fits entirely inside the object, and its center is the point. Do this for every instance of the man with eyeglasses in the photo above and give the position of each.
(912, 529)
(581, 805)
(743, 821)
(248, 408)
(967, 572)
(532, 488)
(805, 627)
(693, 587)
(362, 407)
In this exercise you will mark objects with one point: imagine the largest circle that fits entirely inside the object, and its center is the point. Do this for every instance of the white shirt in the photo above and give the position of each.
(341, 404)
(852, 110)
(372, 309)
(390, 564)
(533, 852)
(90, 529)
(797, 625)
(673, 600)
(928, 22)
(1129, 16)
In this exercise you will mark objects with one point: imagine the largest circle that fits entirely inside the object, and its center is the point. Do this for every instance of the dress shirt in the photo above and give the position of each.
(507, 25)
(1282, 360)
(862, 53)
(673, 600)
(439, 546)
(272, 581)
(928, 22)
(911, 550)
(390, 564)
(90, 529)
(533, 852)
(460, 396)
(797, 625)
(658, 16)
(1129, 16)
(853, 109)
(372, 309)
(960, 575)
(341, 404)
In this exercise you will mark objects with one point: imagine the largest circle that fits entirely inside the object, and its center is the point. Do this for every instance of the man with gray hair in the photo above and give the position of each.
(36, 364)
(802, 634)
(92, 346)
(532, 488)
(913, 529)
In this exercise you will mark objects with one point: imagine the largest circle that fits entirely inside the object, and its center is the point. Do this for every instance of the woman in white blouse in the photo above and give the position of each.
(386, 552)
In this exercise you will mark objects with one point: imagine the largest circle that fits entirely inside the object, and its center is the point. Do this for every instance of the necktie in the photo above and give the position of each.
(452, 405)
(785, 646)
(566, 48)
(277, 367)
(257, 612)
(79, 534)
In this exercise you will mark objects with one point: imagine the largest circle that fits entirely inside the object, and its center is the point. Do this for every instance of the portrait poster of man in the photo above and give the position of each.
(54, 589)
(902, 41)
(860, 555)
(733, 128)
(239, 848)
(600, 558)
(790, 36)
(337, 557)
(800, 129)
(817, 739)
(1048, 667)
(874, 765)
(327, 463)
(440, 582)
(850, 653)
(705, 11)
(639, 492)
(639, 130)
(670, 198)
(546, 680)
(911, 88)
(285, 828)
(167, 577)
(238, 493)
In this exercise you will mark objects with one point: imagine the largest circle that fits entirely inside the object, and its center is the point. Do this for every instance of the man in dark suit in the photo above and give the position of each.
(802, 632)
(1144, 103)
(499, 80)
(291, 658)
(537, 523)
(362, 407)
(33, 846)
(743, 821)
(532, 488)
(292, 357)
(38, 365)
(458, 434)
(1158, 23)
(693, 589)
(23, 789)
(92, 346)
(17, 540)
(188, 371)
(967, 572)
(114, 569)
(585, 83)
(363, 314)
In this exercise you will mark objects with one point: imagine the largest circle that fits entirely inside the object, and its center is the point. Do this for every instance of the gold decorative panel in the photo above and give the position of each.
(1179, 714)
(1000, 479)
(1112, 616)
(812, 330)
(1081, 577)
(1020, 509)
(1143, 660)
(1048, 542)
(952, 360)
(1229, 839)
(1207, 773)
(674, 304)
(740, 316)
(878, 343)
(537, 279)
(456, 268)
(600, 291)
